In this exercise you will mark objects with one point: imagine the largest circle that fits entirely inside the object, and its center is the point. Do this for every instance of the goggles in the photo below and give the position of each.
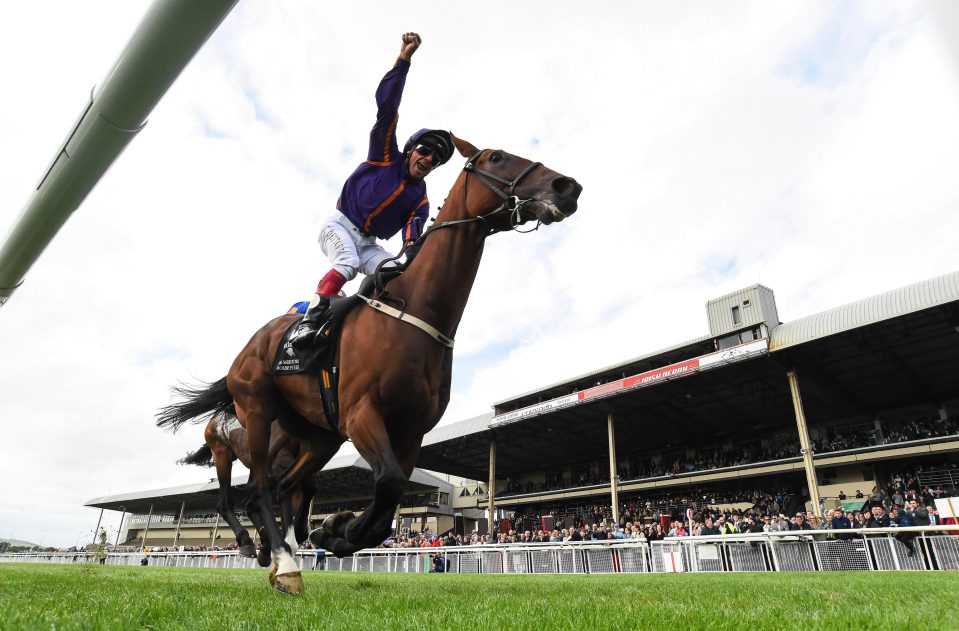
(424, 150)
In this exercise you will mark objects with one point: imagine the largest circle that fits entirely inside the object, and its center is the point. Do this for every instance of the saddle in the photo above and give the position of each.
(318, 359)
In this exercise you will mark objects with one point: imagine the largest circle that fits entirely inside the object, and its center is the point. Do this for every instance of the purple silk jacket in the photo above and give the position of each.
(380, 197)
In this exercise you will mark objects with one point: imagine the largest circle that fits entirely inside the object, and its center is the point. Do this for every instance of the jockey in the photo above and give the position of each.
(384, 195)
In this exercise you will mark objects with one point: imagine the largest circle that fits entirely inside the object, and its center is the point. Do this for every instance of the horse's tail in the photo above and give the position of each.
(199, 404)
(202, 457)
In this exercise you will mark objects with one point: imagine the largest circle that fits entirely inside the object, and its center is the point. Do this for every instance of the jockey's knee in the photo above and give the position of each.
(348, 268)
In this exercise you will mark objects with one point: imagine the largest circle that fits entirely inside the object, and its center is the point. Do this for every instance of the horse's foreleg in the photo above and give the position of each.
(296, 485)
(373, 442)
(287, 503)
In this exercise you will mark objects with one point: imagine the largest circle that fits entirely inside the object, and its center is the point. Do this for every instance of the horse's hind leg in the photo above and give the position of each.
(224, 505)
(251, 398)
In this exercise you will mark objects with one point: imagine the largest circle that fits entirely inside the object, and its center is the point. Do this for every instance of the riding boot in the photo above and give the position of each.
(305, 332)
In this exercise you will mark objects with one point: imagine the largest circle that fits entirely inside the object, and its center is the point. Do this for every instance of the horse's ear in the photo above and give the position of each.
(466, 149)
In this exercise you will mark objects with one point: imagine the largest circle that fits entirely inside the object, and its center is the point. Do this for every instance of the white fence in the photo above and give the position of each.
(917, 548)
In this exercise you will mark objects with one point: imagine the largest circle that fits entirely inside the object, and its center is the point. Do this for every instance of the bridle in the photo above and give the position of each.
(511, 203)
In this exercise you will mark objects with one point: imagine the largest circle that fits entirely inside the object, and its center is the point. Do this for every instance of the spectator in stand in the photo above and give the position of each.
(709, 529)
(934, 519)
(918, 514)
(878, 517)
(727, 527)
(816, 524)
(799, 523)
(841, 522)
(439, 563)
(903, 519)
(842, 495)
(859, 519)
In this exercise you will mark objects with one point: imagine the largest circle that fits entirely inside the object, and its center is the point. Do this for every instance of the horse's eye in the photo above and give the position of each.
(496, 157)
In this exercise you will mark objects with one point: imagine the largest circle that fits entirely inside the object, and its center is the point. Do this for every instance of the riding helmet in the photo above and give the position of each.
(440, 140)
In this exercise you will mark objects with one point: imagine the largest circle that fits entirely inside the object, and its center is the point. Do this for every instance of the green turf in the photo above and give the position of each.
(36, 596)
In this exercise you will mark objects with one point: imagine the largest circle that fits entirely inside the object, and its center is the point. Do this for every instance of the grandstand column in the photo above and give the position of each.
(491, 491)
(120, 528)
(805, 447)
(96, 531)
(146, 531)
(877, 423)
(216, 526)
(179, 523)
(613, 491)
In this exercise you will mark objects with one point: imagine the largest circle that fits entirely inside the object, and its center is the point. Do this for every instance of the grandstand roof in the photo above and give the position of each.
(892, 351)
(339, 479)
(886, 306)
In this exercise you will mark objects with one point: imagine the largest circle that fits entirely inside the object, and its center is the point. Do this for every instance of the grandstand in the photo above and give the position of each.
(800, 411)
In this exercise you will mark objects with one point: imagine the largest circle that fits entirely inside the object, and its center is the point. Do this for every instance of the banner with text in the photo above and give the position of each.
(642, 380)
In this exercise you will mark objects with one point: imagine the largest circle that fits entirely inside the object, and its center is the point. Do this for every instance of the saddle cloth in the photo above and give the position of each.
(318, 359)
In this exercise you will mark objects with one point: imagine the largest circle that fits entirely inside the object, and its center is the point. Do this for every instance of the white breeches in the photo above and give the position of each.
(349, 250)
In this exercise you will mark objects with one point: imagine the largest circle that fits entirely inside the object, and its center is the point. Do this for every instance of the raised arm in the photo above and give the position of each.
(383, 146)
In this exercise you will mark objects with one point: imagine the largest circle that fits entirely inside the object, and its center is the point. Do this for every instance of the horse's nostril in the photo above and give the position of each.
(564, 185)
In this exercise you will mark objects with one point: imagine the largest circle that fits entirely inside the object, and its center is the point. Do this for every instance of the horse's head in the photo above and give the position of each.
(507, 191)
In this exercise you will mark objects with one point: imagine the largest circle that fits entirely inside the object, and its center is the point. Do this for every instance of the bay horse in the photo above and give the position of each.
(395, 372)
(225, 441)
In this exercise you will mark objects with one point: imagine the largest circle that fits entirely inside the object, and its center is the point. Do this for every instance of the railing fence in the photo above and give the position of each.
(926, 548)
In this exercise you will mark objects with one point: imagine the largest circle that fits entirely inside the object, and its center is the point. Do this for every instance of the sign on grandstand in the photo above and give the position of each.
(642, 380)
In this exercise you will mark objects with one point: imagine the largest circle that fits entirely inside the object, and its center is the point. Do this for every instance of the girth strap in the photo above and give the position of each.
(409, 319)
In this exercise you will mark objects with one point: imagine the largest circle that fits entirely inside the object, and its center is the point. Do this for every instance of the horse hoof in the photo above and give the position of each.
(249, 550)
(316, 537)
(264, 557)
(336, 524)
(273, 575)
(289, 584)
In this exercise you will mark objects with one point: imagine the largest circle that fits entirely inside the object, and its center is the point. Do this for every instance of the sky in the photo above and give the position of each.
(811, 147)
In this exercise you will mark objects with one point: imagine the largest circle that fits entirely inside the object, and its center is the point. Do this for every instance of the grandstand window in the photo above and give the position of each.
(729, 341)
(737, 317)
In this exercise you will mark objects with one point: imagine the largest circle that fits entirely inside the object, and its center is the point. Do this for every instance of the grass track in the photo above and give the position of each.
(37, 596)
